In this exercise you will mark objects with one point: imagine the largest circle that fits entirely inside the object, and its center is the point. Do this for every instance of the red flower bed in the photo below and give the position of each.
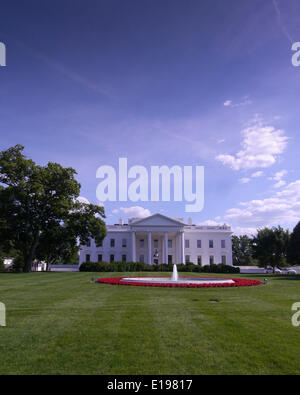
(238, 282)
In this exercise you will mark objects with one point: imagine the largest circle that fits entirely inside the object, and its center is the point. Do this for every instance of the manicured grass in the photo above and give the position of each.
(63, 323)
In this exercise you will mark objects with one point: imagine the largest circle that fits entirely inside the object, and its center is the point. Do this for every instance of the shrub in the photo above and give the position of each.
(220, 268)
(144, 267)
(113, 267)
(2, 266)
(18, 264)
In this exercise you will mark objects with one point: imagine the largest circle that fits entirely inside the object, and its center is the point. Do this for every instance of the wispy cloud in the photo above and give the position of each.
(257, 174)
(62, 69)
(244, 102)
(244, 180)
(280, 23)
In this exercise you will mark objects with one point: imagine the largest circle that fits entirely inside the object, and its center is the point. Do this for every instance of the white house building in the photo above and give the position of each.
(160, 239)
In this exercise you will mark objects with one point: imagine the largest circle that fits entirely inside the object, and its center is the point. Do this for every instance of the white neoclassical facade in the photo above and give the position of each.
(160, 239)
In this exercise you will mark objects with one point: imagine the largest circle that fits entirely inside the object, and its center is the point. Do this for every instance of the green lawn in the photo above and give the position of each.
(63, 323)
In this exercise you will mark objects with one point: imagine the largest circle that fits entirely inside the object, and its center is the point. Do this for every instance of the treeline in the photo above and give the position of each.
(144, 267)
(275, 247)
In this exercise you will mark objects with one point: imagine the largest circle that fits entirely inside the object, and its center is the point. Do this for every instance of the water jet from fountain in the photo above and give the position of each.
(175, 273)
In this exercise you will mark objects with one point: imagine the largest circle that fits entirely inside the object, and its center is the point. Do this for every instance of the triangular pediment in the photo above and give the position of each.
(157, 220)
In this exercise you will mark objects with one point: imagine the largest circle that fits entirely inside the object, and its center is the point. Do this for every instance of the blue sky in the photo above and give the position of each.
(168, 82)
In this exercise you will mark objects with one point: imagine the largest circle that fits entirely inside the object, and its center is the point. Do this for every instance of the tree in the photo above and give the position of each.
(39, 209)
(242, 251)
(270, 246)
(293, 255)
(2, 266)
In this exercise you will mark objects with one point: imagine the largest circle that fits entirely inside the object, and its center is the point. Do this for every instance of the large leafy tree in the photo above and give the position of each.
(242, 251)
(39, 209)
(270, 246)
(294, 246)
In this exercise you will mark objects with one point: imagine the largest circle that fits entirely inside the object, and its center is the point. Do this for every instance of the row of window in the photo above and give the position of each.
(142, 259)
(199, 243)
(170, 243)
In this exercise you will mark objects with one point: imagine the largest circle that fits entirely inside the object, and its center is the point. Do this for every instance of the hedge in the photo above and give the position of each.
(144, 267)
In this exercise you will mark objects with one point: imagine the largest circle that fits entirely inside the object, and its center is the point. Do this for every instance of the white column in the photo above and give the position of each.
(178, 248)
(182, 256)
(133, 247)
(165, 247)
(149, 249)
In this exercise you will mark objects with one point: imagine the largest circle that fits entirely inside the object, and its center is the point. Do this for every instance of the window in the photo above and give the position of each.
(222, 243)
(100, 258)
(111, 258)
(211, 260)
(142, 243)
(187, 243)
(223, 259)
(198, 243)
(211, 244)
(88, 244)
(169, 243)
(141, 258)
(187, 259)
(170, 259)
(155, 243)
(87, 258)
(199, 260)
(112, 242)
(124, 243)
(124, 258)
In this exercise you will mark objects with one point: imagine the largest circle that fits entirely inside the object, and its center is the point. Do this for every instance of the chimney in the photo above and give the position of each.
(121, 222)
(190, 221)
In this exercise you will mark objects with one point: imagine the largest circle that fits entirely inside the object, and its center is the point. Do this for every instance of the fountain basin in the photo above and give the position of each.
(181, 280)
(186, 282)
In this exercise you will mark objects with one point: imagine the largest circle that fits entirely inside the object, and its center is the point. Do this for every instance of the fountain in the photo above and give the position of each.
(176, 281)
(175, 273)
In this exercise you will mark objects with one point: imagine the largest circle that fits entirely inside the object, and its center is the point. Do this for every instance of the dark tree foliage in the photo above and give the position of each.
(294, 246)
(270, 246)
(242, 251)
(40, 215)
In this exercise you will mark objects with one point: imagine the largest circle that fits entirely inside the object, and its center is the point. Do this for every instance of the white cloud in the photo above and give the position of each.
(282, 208)
(279, 184)
(261, 145)
(245, 102)
(210, 222)
(244, 180)
(83, 199)
(240, 231)
(278, 177)
(134, 211)
(257, 174)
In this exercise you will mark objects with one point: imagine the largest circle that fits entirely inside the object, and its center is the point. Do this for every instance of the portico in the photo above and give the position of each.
(158, 241)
